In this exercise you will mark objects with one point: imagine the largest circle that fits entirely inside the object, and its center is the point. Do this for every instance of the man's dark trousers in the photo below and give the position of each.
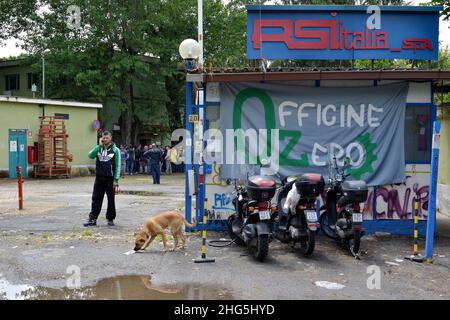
(102, 185)
(156, 172)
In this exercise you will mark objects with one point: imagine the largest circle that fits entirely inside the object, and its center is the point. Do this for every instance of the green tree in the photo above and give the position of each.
(91, 59)
(13, 17)
(110, 49)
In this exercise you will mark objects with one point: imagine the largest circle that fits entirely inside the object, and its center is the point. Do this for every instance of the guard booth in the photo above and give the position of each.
(381, 119)
(17, 152)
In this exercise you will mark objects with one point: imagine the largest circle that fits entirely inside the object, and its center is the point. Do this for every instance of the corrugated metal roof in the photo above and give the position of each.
(298, 74)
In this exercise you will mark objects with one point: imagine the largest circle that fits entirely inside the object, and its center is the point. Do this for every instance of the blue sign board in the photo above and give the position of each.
(342, 32)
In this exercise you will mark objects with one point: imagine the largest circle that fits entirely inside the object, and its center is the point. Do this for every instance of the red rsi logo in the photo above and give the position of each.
(335, 36)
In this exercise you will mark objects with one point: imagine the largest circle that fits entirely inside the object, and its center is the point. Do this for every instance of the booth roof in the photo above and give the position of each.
(298, 74)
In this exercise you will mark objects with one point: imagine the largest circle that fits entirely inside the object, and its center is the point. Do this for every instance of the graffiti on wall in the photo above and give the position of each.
(397, 202)
(220, 199)
(393, 202)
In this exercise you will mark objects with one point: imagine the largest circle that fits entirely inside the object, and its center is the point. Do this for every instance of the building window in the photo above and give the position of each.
(32, 79)
(418, 134)
(12, 82)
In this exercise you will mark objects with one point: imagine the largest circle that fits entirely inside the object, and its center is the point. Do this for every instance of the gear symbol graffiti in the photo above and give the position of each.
(370, 157)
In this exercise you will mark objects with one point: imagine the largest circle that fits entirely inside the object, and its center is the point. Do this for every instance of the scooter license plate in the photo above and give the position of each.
(311, 215)
(357, 217)
(264, 215)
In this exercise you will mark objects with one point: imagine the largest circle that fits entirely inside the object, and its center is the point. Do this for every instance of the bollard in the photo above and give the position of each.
(416, 257)
(19, 184)
(203, 258)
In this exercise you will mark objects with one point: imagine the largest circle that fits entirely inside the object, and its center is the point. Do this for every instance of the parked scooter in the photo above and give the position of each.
(250, 225)
(341, 217)
(297, 220)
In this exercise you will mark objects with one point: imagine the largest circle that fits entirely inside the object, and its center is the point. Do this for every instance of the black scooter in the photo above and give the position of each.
(301, 224)
(250, 225)
(341, 217)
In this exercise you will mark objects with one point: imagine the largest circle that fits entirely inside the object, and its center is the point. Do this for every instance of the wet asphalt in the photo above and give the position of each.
(40, 245)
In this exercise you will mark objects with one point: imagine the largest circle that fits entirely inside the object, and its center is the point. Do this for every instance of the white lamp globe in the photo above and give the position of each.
(189, 49)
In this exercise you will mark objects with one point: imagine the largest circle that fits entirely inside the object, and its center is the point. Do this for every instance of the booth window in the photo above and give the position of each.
(418, 134)
(12, 82)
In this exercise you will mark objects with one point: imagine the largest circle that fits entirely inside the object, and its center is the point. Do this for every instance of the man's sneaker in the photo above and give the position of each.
(111, 223)
(90, 223)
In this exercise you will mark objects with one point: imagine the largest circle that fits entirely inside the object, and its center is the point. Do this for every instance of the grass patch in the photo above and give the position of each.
(87, 234)
(142, 193)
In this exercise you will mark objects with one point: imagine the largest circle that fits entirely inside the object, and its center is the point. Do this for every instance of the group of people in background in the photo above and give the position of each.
(151, 159)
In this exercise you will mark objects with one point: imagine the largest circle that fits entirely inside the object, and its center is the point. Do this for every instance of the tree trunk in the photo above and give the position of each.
(136, 131)
(126, 127)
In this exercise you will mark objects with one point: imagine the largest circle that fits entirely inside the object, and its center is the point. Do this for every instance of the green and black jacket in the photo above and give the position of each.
(108, 161)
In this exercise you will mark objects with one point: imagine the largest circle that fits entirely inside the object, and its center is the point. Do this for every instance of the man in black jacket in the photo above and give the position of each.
(154, 157)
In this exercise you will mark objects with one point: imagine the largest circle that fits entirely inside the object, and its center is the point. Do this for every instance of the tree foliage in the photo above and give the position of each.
(446, 4)
(14, 17)
(125, 51)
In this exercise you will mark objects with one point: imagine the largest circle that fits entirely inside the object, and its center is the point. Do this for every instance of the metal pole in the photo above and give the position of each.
(203, 258)
(416, 257)
(188, 152)
(19, 184)
(200, 31)
(205, 221)
(43, 77)
(431, 221)
(416, 229)
(199, 144)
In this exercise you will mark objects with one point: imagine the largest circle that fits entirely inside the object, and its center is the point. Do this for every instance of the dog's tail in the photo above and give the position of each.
(190, 225)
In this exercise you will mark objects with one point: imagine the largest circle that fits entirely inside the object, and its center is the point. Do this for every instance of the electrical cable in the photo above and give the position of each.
(228, 243)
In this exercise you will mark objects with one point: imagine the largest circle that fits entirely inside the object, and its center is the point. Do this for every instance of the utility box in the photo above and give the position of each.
(17, 142)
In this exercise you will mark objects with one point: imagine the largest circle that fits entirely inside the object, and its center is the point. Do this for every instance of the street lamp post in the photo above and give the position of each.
(190, 51)
(45, 52)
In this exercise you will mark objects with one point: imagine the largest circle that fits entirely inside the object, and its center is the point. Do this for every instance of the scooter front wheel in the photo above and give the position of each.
(260, 250)
(325, 226)
(307, 245)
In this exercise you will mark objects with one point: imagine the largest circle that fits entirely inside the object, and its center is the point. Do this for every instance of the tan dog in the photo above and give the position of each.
(157, 224)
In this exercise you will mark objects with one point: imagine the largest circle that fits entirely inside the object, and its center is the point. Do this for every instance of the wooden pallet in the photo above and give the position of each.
(52, 149)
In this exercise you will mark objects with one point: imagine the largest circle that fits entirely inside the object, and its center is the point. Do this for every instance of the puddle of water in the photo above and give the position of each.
(12, 292)
(116, 288)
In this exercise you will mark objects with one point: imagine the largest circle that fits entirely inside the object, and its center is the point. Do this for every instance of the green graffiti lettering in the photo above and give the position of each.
(369, 157)
(269, 115)
(284, 155)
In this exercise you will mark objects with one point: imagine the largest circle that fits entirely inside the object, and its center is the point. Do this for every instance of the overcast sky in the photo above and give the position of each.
(10, 47)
